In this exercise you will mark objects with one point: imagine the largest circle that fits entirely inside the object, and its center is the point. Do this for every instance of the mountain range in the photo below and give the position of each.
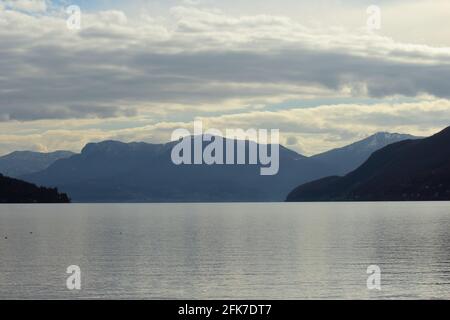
(410, 170)
(20, 163)
(112, 171)
(350, 157)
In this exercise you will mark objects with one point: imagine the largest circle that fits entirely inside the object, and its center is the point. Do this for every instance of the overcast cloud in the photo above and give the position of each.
(153, 72)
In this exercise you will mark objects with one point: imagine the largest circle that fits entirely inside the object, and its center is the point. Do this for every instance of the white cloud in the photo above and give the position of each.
(198, 62)
(207, 59)
(307, 130)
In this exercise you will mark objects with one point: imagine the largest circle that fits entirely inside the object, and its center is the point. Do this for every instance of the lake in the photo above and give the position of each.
(226, 251)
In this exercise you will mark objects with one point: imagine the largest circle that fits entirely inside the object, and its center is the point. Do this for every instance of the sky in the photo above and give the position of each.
(137, 70)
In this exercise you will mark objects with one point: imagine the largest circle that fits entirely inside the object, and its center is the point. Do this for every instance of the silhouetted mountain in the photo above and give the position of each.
(350, 157)
(20, 163)
(112, 171)
(408, 170)
(16, 191)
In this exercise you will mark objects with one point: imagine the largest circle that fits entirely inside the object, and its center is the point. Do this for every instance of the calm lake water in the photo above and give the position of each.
(220, 251)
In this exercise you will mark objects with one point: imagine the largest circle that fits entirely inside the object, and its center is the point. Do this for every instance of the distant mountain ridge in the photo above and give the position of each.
(16, 191)
(410, 170)
(19, 163)
(350, 157)
(113, 171)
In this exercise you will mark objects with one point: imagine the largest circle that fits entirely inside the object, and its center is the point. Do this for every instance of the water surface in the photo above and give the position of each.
(221, 251)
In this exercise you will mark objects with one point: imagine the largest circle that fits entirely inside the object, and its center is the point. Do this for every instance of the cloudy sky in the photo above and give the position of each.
(137, 70)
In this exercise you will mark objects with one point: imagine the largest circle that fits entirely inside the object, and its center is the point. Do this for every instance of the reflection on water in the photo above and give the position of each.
(220, 251)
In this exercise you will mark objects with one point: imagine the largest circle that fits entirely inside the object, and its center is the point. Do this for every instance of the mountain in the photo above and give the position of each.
(350, 157)
(16, 191)
(20, 163)
(112, 171)
(409, 170)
